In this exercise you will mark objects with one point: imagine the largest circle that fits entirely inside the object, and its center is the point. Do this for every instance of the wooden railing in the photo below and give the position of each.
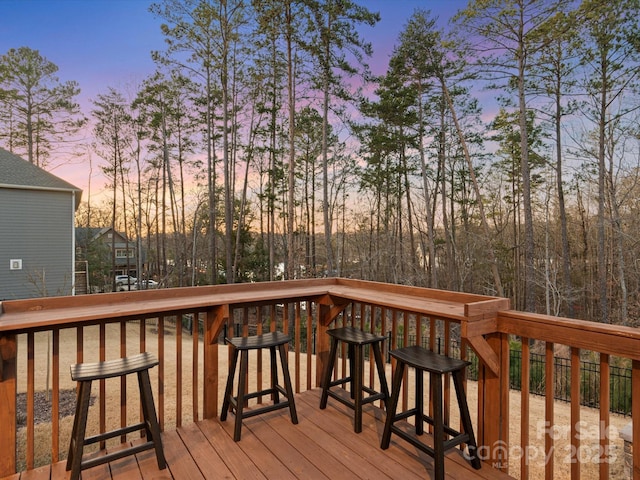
(587, 442)
(184, 327)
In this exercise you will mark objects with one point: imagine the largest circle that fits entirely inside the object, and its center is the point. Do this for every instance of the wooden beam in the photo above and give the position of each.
(216, 317)
(485, 353)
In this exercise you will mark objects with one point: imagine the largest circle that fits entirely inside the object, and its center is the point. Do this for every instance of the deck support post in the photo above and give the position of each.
(8, 394)
(322, 340)
(216, 317)
(493, 406)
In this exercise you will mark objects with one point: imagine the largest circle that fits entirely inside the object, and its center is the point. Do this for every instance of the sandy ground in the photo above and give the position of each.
(175, 412)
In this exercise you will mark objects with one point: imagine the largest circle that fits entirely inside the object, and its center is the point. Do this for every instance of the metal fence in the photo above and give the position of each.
(620, 377)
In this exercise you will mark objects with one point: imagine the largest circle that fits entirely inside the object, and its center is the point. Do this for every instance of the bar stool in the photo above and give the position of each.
(84, 374)
(356, 339)
(242, 345)
(424, 360)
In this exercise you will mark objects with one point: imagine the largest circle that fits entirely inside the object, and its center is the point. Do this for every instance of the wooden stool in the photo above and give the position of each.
(243, 345)
(85, 373)
(356, 339)
(424, 360)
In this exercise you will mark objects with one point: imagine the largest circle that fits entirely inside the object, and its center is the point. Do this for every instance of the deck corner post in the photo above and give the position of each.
(322, 342)
(493, 406)
(216, 317)
(8, 392)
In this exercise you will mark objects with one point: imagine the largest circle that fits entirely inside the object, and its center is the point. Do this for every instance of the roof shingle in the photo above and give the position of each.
(17, 172)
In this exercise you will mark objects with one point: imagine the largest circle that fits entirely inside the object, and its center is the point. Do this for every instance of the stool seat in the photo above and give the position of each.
(241, 347)
(424, 360)
(82, 372)
(355, 336)
(266, 340)
(428, 361)
(356, 339)
(85, 374)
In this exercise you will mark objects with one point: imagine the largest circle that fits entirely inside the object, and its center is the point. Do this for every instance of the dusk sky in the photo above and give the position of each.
(107, 43)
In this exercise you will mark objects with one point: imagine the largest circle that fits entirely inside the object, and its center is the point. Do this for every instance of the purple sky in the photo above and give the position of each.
(107, 43)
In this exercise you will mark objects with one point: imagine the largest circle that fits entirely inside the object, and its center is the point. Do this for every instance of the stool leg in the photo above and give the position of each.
(353, 367)
(287, 384)
(326, 377)
(76, 445)
(466, 420)
(357, 384)
(228, 392)
(393, 405)
(438, 426)
(275, 398)
(381, 374)
(242, 380)
(150, 418)
(419, 420)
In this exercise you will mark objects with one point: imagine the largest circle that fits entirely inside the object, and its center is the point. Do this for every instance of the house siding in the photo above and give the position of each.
(36, 226)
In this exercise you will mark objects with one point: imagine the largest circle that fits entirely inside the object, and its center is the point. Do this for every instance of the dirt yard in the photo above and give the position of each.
(168, 406)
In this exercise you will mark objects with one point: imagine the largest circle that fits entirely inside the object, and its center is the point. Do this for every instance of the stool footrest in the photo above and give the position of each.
(457, 437)
(340, 381)
(426, 418)
(115, 433)
(267, 408)
(350, 403)
(116, 455)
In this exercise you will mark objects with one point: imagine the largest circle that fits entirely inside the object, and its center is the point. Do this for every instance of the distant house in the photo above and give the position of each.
(37, 246)
(102, 249)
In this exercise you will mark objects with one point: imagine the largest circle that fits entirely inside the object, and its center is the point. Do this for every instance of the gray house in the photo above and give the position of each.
(37, 240)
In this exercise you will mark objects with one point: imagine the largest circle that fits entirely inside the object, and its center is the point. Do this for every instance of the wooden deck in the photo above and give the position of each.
(322, 446)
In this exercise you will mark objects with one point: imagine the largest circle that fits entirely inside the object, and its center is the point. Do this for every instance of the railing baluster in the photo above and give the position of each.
(525, 379)
(296, 334)
(310, 316)
(605, 387)
(273, 326)
(179, 369)
(259, 331)
(103, 389)
(374, 317)
(195, 359)
(447, 377)
(123, 380)
(160, 406)
(575, 412)
(55, 396)
(549, 383)
(342, 365)
(30, 400)
(635, 413)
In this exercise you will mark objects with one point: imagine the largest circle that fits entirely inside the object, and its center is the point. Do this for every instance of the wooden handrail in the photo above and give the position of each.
(615, 340)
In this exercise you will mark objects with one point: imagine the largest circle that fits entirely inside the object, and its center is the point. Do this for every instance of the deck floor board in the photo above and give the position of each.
(322, 446)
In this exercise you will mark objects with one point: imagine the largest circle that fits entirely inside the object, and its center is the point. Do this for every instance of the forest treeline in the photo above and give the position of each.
(498, 154)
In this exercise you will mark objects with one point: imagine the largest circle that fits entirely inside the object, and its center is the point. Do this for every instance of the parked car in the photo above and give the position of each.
(125, 282)
(146, 284)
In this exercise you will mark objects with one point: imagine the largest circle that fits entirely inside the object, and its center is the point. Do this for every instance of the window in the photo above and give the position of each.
(122, 253)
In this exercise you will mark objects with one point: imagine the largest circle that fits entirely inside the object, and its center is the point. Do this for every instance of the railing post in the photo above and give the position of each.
(8, 392)
(493, 406)
(216, 318)
(322, 342)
